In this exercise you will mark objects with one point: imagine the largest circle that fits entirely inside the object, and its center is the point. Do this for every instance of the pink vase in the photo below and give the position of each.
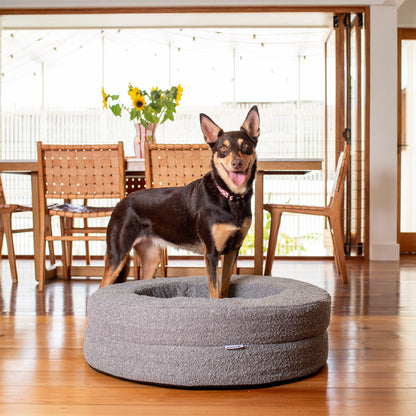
(143, 135)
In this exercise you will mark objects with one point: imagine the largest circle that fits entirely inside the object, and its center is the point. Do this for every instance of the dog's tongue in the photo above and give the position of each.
(238, 178)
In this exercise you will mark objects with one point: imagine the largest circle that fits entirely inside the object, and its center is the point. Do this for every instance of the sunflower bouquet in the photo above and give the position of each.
(155, 106)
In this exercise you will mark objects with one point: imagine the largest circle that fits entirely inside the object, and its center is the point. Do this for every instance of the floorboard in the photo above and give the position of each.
(371, 368)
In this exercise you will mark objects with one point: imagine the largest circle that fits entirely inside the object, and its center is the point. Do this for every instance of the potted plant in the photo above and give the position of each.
(146, 109)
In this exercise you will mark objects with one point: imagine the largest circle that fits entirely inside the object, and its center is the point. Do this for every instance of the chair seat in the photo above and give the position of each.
(7, 208)
(309, 209)
(79, 211)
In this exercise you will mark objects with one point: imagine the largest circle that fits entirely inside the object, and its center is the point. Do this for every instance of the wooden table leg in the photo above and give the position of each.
(36, 220)
(258, 224)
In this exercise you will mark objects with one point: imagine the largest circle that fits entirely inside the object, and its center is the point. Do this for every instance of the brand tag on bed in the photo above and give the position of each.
(234, 347)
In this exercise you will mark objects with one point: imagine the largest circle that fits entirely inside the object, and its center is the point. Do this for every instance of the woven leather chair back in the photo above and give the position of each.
(175, 164)
(82, 171)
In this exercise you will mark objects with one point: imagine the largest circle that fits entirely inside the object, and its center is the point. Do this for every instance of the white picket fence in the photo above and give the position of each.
(287, 130)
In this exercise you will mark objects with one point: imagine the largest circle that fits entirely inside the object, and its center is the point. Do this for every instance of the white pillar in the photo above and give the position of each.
(170, 64)
(1, 68)
(102, 61)
(234, 75)
(383, 134)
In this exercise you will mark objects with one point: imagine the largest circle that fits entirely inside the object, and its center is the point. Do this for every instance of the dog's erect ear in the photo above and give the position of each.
(209, 129)
(251, 124)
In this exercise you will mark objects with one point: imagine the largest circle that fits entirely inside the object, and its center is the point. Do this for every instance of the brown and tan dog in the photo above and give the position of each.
(210, 215)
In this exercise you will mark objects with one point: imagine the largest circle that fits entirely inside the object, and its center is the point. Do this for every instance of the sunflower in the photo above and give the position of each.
(105, 98)
(138, 102)
(179, 92)
(134, 92)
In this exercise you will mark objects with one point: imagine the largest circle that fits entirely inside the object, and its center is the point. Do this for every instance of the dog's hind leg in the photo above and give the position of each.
(149, 254)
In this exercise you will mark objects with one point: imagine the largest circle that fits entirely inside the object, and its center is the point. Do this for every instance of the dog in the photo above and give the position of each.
(210, 215)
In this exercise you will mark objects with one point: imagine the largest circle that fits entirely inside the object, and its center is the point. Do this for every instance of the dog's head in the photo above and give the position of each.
(233, 152)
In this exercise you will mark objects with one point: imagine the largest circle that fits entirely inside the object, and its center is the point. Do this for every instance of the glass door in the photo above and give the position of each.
(406, 149)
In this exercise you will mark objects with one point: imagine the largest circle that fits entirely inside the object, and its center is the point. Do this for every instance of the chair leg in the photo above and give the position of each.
(64, 251)
(69, 223)
(163, 261)
(87, 244)
(276, 216)
(338, 239)
(331, 231)
(48, 224)
(7, 224)
(1, 236)
(42, 251)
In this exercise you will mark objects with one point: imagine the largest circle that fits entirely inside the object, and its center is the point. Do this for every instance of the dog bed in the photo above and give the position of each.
(168, 331)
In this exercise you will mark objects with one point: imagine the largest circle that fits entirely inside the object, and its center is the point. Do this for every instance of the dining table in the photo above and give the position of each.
(136, 167)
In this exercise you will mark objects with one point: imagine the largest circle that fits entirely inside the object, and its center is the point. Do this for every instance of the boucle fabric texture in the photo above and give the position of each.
(169, 331)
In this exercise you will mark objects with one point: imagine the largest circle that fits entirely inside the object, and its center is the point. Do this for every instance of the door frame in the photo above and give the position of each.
(407, 241)
(356, 196)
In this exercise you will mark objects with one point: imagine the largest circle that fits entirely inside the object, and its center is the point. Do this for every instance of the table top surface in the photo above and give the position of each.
(138, 165)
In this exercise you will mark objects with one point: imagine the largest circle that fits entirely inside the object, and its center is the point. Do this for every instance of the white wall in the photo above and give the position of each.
(383, 133)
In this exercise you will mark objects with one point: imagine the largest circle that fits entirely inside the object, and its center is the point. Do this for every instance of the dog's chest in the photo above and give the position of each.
(228, 235)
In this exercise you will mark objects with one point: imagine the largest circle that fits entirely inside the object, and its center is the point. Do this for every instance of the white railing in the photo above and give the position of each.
(286, 131)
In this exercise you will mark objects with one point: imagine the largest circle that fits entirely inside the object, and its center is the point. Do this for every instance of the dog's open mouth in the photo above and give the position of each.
(237, 177)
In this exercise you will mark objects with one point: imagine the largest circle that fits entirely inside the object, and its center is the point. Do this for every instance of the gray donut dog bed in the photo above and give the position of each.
(168, 331)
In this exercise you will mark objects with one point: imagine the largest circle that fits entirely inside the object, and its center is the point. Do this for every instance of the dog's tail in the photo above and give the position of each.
(115, 272)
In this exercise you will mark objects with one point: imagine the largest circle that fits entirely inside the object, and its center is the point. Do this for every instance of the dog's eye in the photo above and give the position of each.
(244, 146)
(224, 148)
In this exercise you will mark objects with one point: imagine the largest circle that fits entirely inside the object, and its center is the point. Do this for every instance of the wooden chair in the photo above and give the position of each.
(169, 165)
(69, 173)
(332, 211)
(6, 213)
(134, 182)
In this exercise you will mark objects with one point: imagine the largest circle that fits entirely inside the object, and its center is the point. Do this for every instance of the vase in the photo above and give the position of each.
(143, 134)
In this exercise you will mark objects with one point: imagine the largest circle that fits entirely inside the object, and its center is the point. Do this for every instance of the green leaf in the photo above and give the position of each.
(116, 109)
(134, 113)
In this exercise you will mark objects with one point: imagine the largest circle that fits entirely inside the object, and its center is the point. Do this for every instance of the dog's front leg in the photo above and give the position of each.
(211, 263)
(227, 269)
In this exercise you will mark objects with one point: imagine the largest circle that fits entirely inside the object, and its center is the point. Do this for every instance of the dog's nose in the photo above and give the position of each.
(237, 164)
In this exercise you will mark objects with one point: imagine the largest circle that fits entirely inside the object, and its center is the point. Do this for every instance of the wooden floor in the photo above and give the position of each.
(371, 368)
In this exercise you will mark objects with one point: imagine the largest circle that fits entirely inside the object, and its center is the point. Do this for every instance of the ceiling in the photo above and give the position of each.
(69, 21)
